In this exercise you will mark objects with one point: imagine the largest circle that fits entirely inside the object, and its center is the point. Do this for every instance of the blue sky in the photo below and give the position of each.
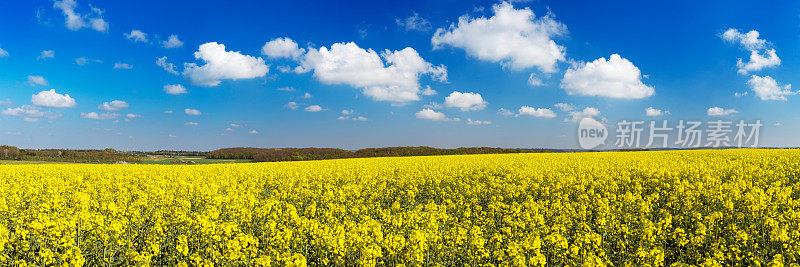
(370, 68)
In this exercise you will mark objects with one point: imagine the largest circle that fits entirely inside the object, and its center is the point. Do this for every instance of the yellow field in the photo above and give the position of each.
(621, 208)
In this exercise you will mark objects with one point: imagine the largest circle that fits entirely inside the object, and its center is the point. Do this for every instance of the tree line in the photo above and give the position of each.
(295, 154)
(67, 155)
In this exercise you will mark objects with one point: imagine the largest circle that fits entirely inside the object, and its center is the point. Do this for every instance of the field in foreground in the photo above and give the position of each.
(731, 207)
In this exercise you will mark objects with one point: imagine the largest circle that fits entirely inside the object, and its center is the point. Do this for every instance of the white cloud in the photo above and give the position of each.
(169, 67)
(101, 116)
(192, 112)
(718, 111)
(6, 102)
(576, 115)
(347, 112)
(46, 54)
(131, 116)
(191, 124)
(221, 64)
(229, 130)
(23, 111)
(614, 78)
(767, 88)
(53, 99)
(505, 112)
(168, 112)
(465, 101)
(282, 48)
(136, 36)
(536, 112)
(81, 61)
(28, 119)
(429, 114)
(172, 42)
(315, 108)
(76, 21)
(428, 91)
(236, 125)
(748, 40)
(534, 80)
(124, 66)
(291, 105)
(175, 89)
(34, 80)
(306, 96)
(758, 62)
(654, 112)
(113, 105)
(287, 89)
(513, 37)
(414, 23)
(395, 80)
(760, 56)
(3, 53)
(738, 94)
(564, 106)
(253, 132)
(477, 122)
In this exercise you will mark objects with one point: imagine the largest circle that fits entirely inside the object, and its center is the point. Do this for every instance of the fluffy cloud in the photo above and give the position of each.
(718, 111)
(221, 64)
(767, 88)
(76, 21)
(191, 124)
(760, 56)
(100, 116)
(314, 108)
(172, 42)
(477, 122)
(124, 66)
(758, 61)
(395, 80)
(282, 48)
(749, 40)
(614, 78)
(536, 112)
(348, 114)
(136, 36)
(192, 112)
(429, 114)
(586, 112)
(113, 105)
(47, 54)
(653, 112)
(414, 23)
(53, 99)
(513, 37)
(175, 89)
(23, 111)
(34, 80)
(169, 67)
(465, 101)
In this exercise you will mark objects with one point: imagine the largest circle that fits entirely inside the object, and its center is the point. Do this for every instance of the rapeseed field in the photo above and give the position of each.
(706, 207)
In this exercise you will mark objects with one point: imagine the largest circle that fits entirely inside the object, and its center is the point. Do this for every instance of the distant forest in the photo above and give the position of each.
(68, 155)
(254, 154)
(295, 154)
